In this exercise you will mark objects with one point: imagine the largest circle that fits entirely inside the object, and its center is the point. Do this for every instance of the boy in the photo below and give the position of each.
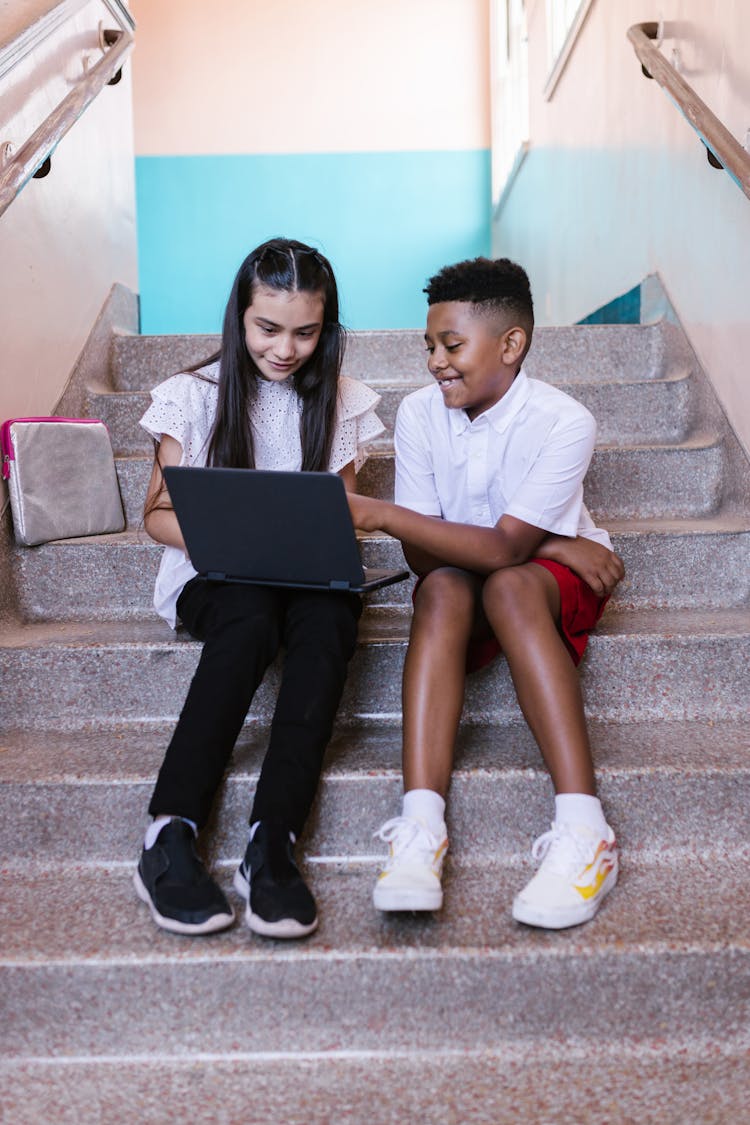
(489, 509)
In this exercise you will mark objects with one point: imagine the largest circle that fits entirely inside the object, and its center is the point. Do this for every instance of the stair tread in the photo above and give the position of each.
(682, 903)
(673, 1081)
(381, 625)
(413, 382)
(729, 521)
(131, 753)
(696, 441)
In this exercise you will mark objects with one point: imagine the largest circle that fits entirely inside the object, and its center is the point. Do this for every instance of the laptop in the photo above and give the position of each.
(271, 528)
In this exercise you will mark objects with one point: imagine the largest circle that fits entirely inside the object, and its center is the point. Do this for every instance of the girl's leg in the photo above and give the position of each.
(522, 604)
(240, 626)
(319, 634)
(434, 676)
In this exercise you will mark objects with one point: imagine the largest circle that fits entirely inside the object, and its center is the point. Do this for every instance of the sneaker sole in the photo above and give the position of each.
(284, 928)
(211, 926)
(399, 898)
(562, 919)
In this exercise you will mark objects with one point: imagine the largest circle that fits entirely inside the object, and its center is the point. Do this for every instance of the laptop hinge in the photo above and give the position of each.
(336, 585)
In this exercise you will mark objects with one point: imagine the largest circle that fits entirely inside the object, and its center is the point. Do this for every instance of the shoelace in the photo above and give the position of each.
(564, 850)
(407, 836)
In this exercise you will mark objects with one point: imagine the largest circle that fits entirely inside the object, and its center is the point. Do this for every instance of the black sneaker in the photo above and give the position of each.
(278, 902)
(180, 894)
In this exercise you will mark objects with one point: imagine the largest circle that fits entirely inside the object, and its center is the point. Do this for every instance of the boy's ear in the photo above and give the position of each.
(513, 344)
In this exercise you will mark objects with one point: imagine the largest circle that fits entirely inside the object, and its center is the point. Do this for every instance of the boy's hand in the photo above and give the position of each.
(367, 513)
(600, 568)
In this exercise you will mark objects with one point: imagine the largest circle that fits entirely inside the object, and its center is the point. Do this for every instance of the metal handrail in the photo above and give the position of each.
(725, 149)
(32, 156)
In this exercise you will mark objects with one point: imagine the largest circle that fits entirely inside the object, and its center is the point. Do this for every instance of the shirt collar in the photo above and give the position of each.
(502, 413)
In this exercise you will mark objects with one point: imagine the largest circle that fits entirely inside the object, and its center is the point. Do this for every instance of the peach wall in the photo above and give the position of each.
(66, 239)
(233, 76)
(617, 185)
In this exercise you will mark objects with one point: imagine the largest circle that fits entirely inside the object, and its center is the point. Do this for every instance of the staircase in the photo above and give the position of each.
(643, 1015)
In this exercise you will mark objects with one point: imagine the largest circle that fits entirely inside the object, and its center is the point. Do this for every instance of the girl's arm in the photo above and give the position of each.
(161, 522)
(599, 567)
(349, 477)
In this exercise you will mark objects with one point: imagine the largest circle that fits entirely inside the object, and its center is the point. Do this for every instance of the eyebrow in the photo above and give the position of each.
(298, 328)
(444, 333)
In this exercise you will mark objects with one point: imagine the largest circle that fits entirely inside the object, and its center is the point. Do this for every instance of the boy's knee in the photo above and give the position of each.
(445, 592)
(514, 590)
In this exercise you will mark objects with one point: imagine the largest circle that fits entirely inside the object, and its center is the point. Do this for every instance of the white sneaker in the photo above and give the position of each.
(578, 869)
(410, 879)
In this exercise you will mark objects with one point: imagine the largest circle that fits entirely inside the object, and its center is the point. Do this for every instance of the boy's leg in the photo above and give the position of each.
(579, 855)
(435, 675)
(433, 694)
(320, 634)
(522, 604)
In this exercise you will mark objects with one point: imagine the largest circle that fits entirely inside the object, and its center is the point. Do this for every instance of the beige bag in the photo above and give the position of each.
(61, 477)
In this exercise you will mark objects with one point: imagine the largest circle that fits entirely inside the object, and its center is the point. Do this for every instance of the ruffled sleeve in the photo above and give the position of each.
(357, 424)
(184, 407)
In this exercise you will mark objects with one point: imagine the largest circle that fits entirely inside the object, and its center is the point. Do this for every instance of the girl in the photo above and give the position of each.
(271, 398)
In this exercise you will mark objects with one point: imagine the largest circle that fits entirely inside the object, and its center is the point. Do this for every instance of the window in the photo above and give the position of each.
(510, 91)
(565, 18)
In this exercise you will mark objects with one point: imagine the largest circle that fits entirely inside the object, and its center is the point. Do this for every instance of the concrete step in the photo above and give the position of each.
(668, 787)
(668, 563)
(561, 354)
(668, 953)
(626, 412)
(640, 664)
(110, 577)
(651, 1082)
(682, 480)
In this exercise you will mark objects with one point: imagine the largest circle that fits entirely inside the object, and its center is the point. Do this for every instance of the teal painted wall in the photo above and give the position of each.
(386, 220)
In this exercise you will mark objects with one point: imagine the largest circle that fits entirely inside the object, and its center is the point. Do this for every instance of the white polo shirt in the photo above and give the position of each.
(525, 457)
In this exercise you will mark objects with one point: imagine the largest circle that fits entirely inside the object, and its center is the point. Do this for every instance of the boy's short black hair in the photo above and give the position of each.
(493, 284)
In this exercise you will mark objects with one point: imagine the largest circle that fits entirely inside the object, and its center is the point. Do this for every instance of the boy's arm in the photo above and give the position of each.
(429, 541)
(599, 567)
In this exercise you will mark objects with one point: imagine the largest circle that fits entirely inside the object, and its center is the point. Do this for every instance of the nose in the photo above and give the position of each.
(436, 361)
(284, 348)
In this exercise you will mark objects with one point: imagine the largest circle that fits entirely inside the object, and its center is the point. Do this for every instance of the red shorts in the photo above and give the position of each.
(580, 609)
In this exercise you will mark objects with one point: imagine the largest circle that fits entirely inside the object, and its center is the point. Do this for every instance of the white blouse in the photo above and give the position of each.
(184, 407)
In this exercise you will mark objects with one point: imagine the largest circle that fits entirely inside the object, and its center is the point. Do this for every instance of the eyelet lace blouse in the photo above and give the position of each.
(184, 407)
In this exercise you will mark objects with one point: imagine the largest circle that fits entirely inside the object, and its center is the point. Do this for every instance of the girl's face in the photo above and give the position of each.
(282, 330)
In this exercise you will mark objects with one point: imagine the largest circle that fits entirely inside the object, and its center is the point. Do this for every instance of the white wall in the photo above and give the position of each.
(617, 185)
(68, 238)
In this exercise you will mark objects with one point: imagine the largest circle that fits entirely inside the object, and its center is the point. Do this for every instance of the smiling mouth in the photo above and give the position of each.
(448, 381)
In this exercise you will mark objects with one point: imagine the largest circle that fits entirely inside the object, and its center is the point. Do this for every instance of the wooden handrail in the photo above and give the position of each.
(727, 152)
(23, 164)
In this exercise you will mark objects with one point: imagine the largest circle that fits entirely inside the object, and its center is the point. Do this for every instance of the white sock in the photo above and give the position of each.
(429, 807)
(583, 809)
(158, 823)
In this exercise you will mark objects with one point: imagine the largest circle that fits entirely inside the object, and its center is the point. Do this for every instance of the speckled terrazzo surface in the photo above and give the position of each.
(461, 1017)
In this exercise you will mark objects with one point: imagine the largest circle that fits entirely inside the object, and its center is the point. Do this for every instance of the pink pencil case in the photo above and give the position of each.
(61, 477)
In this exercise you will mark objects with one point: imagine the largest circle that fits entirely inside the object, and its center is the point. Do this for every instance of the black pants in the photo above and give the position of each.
(242, 628)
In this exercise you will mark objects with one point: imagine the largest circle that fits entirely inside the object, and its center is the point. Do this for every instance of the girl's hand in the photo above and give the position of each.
(600, 568)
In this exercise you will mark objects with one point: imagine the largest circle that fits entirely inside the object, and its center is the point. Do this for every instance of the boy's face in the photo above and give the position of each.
(473, 356)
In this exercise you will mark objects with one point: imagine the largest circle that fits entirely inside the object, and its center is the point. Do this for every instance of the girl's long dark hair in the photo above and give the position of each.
(287, 266)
